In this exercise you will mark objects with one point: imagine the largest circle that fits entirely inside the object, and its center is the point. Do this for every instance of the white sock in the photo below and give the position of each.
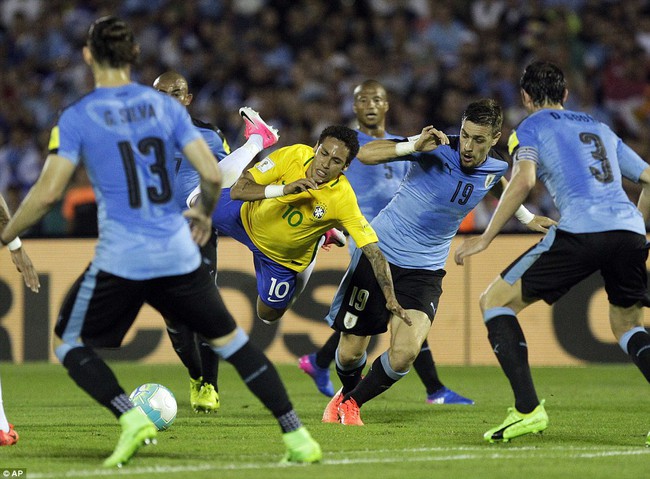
(4, 424)
(233, 164)
(302, 278)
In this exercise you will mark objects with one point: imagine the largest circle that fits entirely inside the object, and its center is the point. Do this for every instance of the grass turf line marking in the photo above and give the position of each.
(510, 453)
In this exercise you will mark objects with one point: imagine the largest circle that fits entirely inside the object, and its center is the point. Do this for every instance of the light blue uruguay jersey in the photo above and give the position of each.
(375, 185)
(126, 138)
(580, 161)
(187, 178)
(416, 228)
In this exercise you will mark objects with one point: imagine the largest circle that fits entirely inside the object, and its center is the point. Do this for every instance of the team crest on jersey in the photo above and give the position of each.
(489, 179)
(319, 212)
(350, 320)
(265, 165)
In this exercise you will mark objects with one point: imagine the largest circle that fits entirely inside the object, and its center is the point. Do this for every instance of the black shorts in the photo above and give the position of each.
(561, 260)
(100, 307)
(359, 306)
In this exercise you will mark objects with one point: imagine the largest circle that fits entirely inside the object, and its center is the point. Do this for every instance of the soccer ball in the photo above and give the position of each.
(157, 402)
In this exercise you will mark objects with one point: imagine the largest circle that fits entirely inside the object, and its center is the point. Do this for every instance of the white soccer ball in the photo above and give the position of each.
(157, 402)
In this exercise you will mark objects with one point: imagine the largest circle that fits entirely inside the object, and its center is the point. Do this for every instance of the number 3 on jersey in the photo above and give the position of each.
(599, 153)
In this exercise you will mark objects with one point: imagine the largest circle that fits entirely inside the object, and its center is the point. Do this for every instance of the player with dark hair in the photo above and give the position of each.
(581, 161)
(126, 135)
(195, 352)
(8, 435)
(375, 186)
(447, 178)
(282, 207)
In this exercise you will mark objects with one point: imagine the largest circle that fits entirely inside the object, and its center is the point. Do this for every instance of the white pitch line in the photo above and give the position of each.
(530, 452)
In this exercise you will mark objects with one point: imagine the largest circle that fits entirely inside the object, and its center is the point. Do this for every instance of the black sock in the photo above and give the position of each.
(376, 382)
(183, 341)
(92, 375)
(509, 346)
(426, 369)
(209, 363)
(325, 355)
(261, 378)
(638, 347)
(350, 378)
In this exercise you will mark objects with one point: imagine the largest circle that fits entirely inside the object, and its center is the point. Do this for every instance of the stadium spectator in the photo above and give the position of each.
(20, 163)
(330, 57)
(582, 162)
(79, 208)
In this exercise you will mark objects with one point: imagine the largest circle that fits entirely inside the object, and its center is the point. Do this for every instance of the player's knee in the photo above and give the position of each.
(483, 301)
(349, 358)
(402, 357)
(488, 300)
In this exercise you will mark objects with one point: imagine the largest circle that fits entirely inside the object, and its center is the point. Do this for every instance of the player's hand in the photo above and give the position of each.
(298, 186)
(541, 224)
(26, 268)
(394, 307)
(430, 139)
(200, 224)
(470, 247)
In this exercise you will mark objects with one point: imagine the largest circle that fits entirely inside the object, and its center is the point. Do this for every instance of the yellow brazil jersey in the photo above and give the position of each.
(287, 228)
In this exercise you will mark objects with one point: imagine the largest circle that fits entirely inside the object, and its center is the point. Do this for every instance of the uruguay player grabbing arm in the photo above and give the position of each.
(446, 180)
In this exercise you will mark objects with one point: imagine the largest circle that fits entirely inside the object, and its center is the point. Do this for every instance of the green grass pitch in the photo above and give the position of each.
(598, 424)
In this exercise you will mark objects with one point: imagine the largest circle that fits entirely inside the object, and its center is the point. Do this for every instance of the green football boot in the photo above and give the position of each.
(301, 447)
(137, 430)
(517, 424)
(195, 391)
(208, 399)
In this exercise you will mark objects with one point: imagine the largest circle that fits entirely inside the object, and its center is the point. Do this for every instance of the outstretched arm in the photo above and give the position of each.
(383, 151)
(522, 181)
(384, 278)
(247, 189)
(531, 221)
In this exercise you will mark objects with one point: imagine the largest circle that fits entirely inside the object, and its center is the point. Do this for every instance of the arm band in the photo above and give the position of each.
(273, 191)
(523, 215)
(14, 244)
(404, 148)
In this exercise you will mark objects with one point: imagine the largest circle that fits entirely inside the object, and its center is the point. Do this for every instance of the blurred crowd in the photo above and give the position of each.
(297, 61)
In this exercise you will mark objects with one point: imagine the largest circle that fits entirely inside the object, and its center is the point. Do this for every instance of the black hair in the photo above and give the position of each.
(485, 112)
(347, 135)
(111, 42)
(544, 82)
